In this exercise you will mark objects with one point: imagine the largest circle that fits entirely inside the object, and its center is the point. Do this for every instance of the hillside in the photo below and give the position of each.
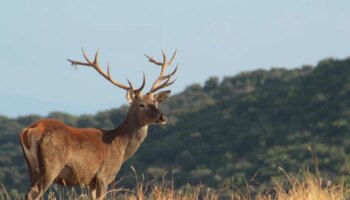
(227, 131)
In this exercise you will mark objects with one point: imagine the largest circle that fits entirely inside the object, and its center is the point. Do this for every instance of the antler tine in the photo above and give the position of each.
(97, 67)
(73, 62)
(162, 77)
(166, 82)
(172, 58)
(165, 64)
(130, 84)
(152, 60)
(143, 84)
(163, 85)
(86, 58)
(171, 74)
(96, 57)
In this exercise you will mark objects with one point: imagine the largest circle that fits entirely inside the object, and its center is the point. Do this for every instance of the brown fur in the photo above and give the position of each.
(56, 152)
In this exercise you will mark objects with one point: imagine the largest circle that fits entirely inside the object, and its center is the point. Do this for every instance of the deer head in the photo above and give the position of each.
(143, 107)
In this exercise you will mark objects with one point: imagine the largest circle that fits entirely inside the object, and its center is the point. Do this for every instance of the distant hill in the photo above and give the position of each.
(227, 131)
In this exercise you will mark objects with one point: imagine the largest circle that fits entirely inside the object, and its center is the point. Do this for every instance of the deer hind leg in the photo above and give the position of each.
(39, 190)
(51, 159)
(49, 171)
(33, 194)
(47, 177)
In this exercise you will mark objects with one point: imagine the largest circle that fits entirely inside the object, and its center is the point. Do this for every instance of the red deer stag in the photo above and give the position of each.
(58, 153)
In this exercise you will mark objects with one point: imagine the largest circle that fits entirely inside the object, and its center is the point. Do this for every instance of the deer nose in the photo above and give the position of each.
(162, 119)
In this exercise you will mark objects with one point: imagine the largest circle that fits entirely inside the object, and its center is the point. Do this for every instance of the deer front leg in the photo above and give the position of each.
(101, 189)
(92, 190)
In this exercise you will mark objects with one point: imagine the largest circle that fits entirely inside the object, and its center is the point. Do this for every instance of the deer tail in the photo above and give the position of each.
(30, 149)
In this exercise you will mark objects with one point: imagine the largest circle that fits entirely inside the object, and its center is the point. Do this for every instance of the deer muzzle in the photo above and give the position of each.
(162, 119)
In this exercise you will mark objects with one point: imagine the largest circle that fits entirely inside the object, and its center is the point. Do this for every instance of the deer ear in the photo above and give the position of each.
(162, 96)
(130, 96)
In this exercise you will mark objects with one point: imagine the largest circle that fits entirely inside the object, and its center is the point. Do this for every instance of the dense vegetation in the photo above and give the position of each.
(227, 131)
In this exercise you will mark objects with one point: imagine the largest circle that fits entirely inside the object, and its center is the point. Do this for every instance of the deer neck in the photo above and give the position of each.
(132, 135)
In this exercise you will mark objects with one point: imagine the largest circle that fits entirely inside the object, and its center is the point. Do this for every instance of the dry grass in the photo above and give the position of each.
(305, 186)
(302, 186)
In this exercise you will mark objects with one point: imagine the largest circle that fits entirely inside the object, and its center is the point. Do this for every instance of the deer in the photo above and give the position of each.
(61, 154)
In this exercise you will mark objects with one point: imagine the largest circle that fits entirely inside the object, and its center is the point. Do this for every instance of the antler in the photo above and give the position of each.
(107, 76)
(157, 85)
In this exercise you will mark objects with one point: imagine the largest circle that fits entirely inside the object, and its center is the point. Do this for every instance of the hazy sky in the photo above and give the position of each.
(213, 38)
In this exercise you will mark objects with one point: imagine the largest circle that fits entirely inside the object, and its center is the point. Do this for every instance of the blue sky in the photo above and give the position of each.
(213, 38)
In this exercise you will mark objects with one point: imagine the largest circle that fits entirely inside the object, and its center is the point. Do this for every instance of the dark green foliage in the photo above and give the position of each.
(229, 130)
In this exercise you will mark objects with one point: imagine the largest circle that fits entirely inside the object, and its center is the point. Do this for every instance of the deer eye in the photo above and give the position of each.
(143, 105)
